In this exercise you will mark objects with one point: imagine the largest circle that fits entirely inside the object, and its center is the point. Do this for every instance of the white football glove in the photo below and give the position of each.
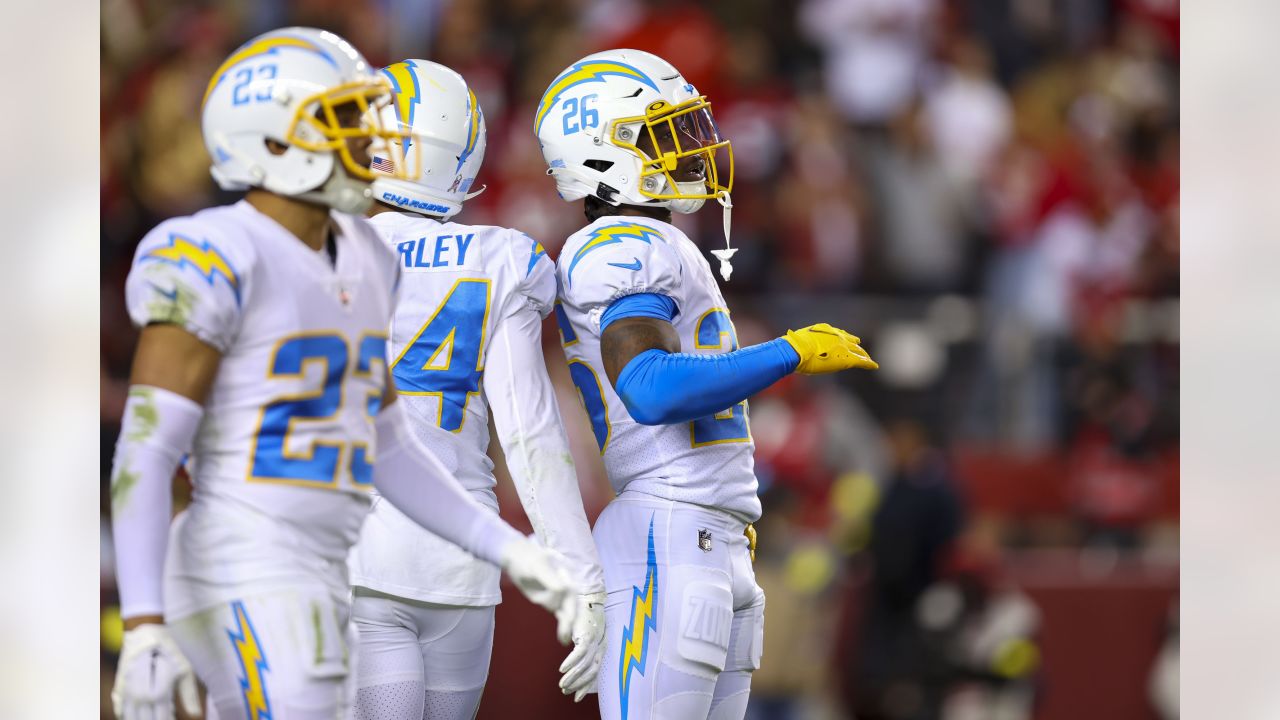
(583, 664)
(540, 575)
(150, 667)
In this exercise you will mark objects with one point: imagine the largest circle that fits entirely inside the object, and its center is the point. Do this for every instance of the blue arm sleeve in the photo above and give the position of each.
(662, 388)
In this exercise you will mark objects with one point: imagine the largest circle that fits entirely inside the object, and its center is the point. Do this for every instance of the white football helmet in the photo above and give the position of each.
(436, 108)
(309, 90)
(593, 115)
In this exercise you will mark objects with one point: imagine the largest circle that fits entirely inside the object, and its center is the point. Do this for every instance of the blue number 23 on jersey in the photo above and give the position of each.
(318, 409)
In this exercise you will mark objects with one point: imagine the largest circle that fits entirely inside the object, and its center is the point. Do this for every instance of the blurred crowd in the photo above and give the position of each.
(985, 190)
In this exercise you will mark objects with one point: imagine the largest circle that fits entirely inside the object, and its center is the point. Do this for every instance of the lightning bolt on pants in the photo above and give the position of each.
(684, 620)
(279, 655)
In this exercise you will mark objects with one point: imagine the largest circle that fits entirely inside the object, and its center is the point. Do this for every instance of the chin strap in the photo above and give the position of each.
(725, 255)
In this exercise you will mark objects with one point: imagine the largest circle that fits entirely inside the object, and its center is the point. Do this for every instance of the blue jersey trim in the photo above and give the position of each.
(650, 305)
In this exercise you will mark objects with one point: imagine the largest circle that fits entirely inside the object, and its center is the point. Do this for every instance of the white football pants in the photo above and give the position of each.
(283, 655)
(684, 620)
(419, 660)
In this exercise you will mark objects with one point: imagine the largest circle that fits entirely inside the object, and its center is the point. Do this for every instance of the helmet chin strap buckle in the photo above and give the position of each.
(726, 255)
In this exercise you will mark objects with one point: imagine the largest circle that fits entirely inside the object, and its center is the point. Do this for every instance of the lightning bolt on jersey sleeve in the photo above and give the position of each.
(531, 432)
(617, 257)
(184, 274)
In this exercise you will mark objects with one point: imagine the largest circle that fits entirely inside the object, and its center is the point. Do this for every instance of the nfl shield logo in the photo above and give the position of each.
(704, 540)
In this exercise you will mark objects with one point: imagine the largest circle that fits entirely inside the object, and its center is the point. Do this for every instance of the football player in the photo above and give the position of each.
(652, 350)
(465, 340)
(262, 355)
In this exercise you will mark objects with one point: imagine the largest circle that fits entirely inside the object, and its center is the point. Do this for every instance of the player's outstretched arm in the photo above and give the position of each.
(412, 478)
(172, 373)
(660, 385)
(533, 440)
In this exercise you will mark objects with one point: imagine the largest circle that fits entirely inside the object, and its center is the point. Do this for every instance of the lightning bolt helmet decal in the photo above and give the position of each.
(583, 72)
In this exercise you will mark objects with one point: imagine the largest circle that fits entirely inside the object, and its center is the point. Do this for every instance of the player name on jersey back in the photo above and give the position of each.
(708, 461)
(439, 251)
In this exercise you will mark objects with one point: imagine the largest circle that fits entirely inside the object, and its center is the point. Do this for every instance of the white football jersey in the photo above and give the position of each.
(282, 460)
(466, 335)
(705, 462)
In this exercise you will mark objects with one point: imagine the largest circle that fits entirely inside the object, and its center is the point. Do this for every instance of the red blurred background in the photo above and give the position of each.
(986, 192)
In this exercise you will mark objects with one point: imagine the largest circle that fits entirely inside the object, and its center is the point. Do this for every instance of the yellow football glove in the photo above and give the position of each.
(826, 349)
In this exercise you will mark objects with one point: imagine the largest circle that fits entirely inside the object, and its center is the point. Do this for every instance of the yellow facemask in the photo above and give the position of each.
(317, 117)
(677, 132)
